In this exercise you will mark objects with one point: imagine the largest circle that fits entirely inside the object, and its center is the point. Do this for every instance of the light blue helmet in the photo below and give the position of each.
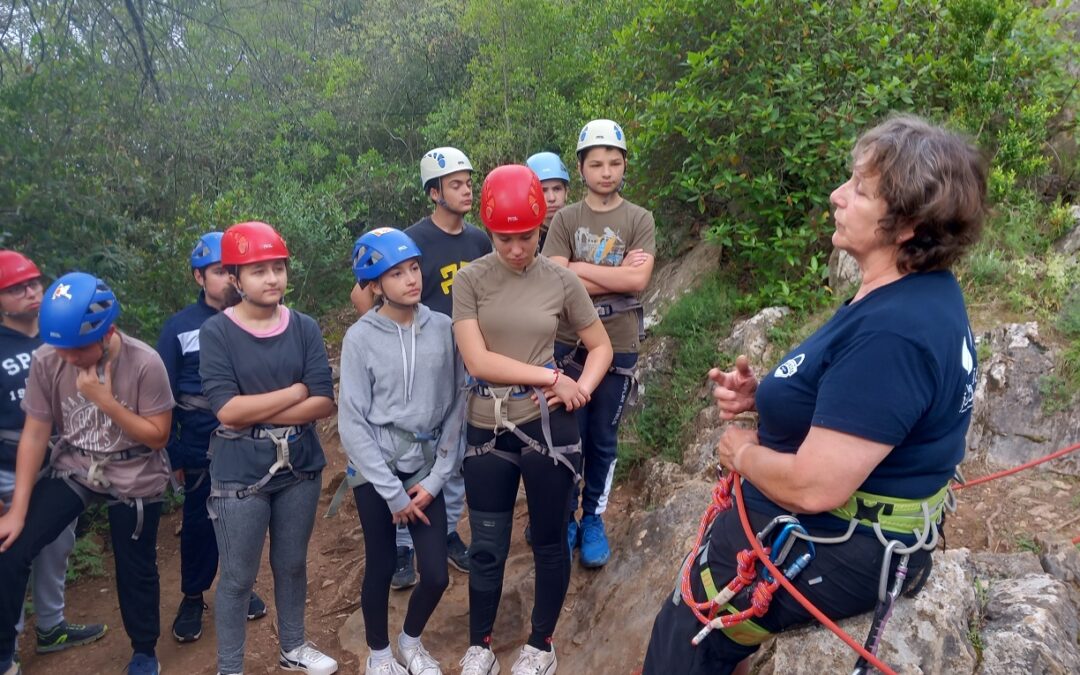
(77, 310)
(207, 251)
(548, 165)
(376, 252)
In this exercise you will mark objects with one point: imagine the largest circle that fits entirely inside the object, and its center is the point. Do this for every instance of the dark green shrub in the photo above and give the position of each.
(741, 115)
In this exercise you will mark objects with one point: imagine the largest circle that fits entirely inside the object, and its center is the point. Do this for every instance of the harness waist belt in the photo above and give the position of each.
(892, 514)
(193, 402)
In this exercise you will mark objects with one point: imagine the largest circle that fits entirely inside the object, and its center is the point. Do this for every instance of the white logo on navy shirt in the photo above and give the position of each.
(968, 362)
(790, 367)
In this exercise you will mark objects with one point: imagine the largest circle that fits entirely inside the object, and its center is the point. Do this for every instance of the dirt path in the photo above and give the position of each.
(1001, 516)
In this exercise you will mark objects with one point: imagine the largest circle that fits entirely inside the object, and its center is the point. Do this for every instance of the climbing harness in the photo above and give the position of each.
(888, 517)
(502, 394)
(617, 304)
(405, 441)
(97, 481)
(281, 437)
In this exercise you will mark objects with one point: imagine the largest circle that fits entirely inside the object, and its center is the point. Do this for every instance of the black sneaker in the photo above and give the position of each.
(457, 553)
(405, 574)
(256, 607)
(66, 635)
(187, 626)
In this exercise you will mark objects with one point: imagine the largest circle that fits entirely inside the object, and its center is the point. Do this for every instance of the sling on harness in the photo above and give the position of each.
(500, 395)
(281, 437)
(97, 481)
(405, 441)
(617, 304)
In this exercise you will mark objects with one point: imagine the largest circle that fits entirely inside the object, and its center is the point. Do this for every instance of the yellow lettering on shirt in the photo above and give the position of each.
(447, 273)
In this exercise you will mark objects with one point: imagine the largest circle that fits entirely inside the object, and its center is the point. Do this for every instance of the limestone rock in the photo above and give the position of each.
(676, 278)
(1031, 626)
(844, 273)
(1008, 426)
(1070, 243)
(751, 337)
(1059, 558)
(926, 634)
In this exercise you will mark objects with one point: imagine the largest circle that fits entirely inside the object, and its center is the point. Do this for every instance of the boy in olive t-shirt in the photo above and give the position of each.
(610, 244)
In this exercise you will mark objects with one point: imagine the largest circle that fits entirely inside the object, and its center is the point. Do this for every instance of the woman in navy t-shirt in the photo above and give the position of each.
(864, 422)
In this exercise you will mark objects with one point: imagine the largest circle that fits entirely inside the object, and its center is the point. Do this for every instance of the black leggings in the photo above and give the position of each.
(381, 560)
(491, 485)
(845, 583)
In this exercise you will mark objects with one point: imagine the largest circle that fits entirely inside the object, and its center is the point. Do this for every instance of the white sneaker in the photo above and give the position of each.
(479, 661)
(385, 668)
(535, 662)
(308, 659)
(418, 661)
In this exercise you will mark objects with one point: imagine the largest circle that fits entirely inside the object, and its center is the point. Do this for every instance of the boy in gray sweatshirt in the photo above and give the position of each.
(400, 419)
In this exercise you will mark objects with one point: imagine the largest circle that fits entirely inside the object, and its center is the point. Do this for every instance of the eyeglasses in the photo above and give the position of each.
(20, 290)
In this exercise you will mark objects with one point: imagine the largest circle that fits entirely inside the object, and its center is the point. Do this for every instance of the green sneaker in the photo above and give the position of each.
(66, 635)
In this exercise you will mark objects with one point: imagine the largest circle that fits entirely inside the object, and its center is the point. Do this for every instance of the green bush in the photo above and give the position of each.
(742, 114)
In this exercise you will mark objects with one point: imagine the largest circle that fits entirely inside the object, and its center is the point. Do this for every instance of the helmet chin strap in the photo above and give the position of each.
(398, 305)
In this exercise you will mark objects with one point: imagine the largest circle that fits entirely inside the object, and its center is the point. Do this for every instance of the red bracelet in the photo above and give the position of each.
(556, 380)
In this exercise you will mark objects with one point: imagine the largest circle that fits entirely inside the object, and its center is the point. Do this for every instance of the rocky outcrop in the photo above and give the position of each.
(844, 273)
(676, 278)
(981, 614)
(1009, 426)
(1070, 243)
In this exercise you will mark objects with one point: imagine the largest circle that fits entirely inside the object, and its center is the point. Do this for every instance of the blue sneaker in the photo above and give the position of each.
(141, 664)
(573, 535)
(594, 545)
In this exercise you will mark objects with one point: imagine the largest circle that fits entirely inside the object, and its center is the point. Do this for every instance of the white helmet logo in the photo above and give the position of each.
(790, 367)
(62, 291)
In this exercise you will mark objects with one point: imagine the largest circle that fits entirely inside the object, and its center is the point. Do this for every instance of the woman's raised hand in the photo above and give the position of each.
(735, 389)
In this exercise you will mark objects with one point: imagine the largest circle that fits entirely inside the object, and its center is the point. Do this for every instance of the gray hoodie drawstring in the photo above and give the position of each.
(408, 370)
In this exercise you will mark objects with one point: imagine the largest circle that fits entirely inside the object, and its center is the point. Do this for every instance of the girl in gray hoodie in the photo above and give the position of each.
(400, 419)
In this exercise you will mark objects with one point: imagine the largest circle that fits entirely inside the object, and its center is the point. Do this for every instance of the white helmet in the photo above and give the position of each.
(603, 133)
(442, 162)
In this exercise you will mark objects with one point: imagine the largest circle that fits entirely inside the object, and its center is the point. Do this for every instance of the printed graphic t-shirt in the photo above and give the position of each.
(518, 313)
(139, 383)
(580, 234)
(442, 257)
(16, 350)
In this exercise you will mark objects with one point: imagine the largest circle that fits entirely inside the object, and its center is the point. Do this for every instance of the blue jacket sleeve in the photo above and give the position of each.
(168, 348)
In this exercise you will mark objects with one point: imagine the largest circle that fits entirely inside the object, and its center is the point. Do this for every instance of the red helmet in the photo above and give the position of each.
(247, 243)
(512, 200)
(16, 268)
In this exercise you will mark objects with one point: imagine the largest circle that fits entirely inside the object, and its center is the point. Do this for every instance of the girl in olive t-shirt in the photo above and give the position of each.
(507, 306)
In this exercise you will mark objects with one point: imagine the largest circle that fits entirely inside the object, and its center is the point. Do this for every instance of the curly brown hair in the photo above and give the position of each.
(934, 182)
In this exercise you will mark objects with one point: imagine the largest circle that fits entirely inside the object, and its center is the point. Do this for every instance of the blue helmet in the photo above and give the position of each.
(377, 251)
(548, 165)
(77, 310)
(207, 251)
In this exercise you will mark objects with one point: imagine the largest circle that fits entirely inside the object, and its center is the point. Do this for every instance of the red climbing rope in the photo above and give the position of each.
(1018, 469)
(722, 500)
(790, 587)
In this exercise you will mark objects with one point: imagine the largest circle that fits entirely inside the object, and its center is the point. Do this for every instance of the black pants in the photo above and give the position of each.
(53, 505)
(491, 485)
(380, 552)
(198, 545)
(845, 580)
